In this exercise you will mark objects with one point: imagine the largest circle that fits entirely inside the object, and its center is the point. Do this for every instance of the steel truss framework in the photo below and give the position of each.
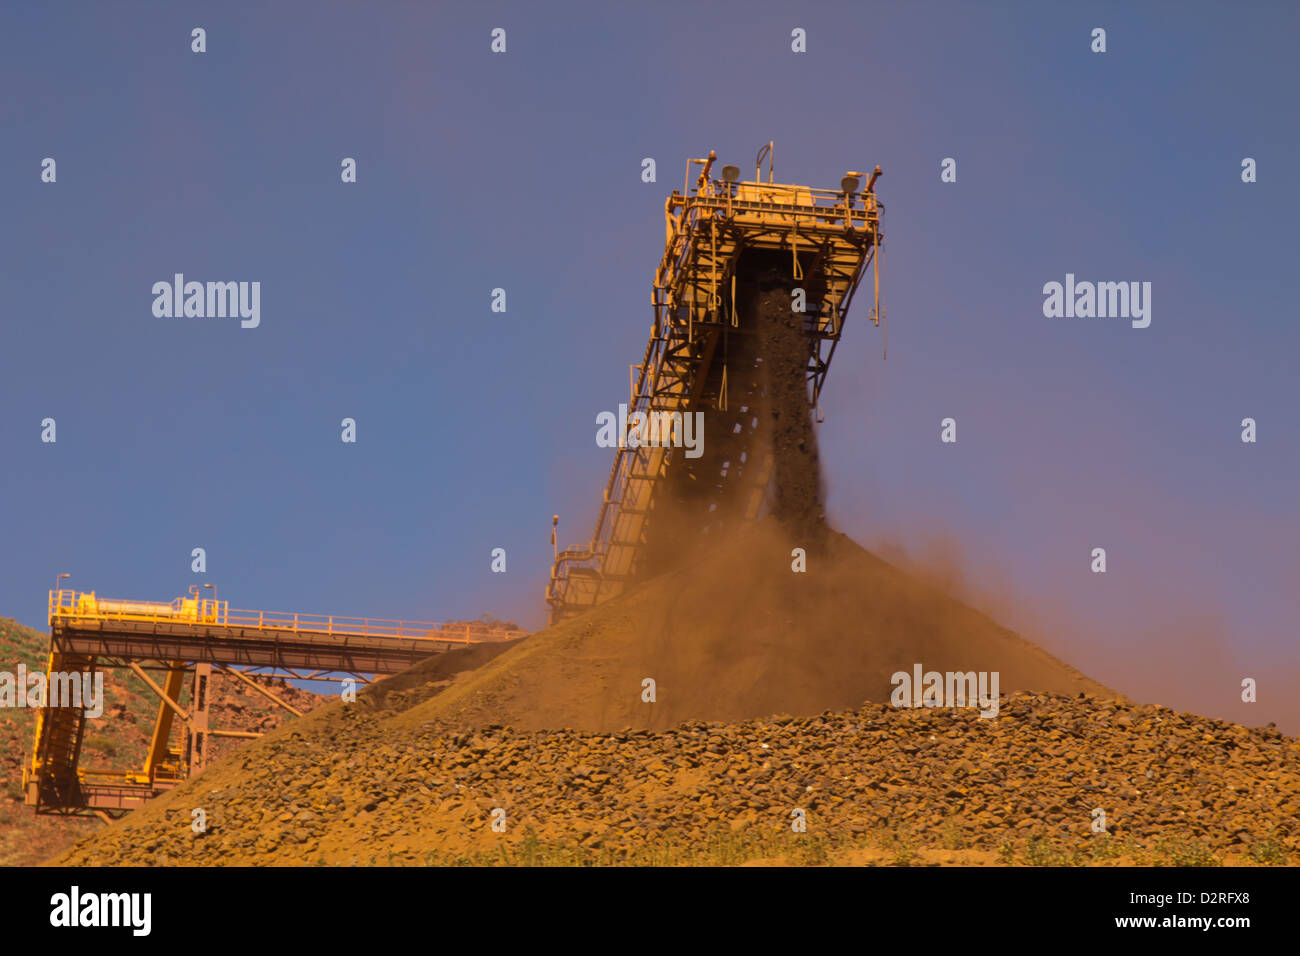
(170, 646)
(832, 238)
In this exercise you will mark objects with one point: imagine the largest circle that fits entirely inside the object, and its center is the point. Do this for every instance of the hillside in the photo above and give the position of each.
(117, 740)
(24, 837)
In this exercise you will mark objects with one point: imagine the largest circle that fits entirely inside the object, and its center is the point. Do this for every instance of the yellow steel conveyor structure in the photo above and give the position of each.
(830, 237)
(187, 638)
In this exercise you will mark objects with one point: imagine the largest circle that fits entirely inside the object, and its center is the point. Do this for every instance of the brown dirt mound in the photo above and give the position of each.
(737, 635)
(413, 771)
(874, 784)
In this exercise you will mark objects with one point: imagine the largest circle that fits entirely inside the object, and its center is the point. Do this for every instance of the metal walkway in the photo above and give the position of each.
(184, 640)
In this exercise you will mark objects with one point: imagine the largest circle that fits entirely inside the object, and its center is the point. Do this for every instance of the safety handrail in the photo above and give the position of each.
(87, 606)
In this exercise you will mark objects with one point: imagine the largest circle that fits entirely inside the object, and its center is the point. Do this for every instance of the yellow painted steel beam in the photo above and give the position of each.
(162, 727)
(261, 690)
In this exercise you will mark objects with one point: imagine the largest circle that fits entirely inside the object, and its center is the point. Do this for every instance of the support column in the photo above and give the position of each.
(196, 733)
(162, 728)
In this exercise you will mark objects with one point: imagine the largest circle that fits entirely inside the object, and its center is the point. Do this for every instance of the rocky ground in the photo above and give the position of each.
(554, 739)
(876, 784)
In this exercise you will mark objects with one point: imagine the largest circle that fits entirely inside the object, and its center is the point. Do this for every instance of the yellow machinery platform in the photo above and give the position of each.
(184, 640)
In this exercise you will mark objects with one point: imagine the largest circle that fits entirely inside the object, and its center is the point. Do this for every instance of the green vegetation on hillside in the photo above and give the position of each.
(116, 741)
(24, 837)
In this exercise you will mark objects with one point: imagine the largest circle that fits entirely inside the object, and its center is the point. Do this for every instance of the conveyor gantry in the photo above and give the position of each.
(186, 639)
(714, 228)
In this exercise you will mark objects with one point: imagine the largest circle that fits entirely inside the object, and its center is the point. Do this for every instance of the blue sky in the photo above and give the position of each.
(522, 171)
